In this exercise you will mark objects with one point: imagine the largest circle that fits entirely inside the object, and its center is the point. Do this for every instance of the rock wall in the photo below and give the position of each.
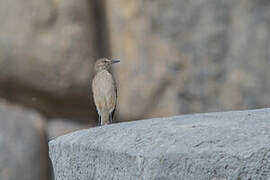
(190, 56)
(177, 56)
(215, 146)
(47, 51)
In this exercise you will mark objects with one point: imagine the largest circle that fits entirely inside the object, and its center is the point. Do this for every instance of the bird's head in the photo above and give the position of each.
(104, 64)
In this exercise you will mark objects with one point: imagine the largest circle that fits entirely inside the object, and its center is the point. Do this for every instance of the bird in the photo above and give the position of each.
(104, 90)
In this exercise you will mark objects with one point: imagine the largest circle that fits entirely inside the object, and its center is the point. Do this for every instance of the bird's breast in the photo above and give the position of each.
(104, 93)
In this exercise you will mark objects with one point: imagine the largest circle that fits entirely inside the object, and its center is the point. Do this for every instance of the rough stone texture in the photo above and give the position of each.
(58, 127)
(23, 145)
(215, 146)
(190, 56)
(47, 50)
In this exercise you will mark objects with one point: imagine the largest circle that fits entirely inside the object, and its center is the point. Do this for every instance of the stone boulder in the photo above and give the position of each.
(47, 51)
(23, 144)
(214, 146)
(189, 56)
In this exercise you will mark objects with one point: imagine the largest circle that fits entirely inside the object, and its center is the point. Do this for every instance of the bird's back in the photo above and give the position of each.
(104, 91)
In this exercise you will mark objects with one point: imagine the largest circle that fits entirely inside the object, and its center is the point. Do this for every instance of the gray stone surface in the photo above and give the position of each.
(23, 144)
(215, 146)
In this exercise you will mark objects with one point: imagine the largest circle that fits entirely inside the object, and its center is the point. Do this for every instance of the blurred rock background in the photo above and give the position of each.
(176, 56)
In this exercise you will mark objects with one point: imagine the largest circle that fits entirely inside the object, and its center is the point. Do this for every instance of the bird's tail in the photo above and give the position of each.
(105, 115)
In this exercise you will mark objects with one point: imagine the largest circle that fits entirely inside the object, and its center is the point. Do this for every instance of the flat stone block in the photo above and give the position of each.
(215, 146)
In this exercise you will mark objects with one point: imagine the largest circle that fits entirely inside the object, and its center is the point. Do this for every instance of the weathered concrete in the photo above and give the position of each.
(230, 145)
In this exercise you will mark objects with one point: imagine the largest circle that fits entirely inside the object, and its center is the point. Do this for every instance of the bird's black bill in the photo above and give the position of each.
(115, 61)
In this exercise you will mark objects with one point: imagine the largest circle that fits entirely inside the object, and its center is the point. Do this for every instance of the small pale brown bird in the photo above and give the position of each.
(104, 91)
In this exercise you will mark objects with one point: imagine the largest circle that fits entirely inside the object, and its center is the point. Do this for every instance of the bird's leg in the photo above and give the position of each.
(110, 118)
(99, 120)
